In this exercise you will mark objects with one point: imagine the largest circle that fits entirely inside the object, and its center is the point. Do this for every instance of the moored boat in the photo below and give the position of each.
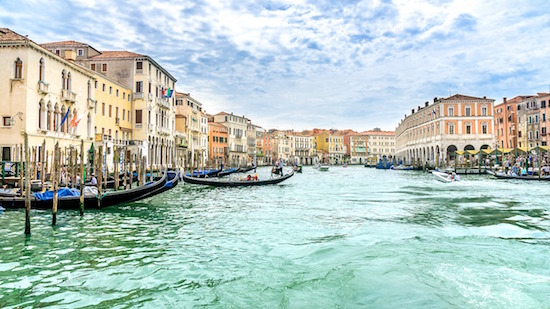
(112, 198)
(219, 182)
(501, 175)
(323, 167)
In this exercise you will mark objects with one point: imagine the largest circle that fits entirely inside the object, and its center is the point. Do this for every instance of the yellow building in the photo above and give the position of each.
(330, 145)
(113, 114)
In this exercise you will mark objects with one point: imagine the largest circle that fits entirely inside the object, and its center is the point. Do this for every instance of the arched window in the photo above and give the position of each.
(89, 89)
(63, 79)
(18, 69)
(40, 108)
(63, 111)
(55, 117)
(41, 69)
(49, 118)
(89, 124)
(69, 81)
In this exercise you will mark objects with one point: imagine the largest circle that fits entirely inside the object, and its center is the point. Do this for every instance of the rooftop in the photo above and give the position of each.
(117, 54)
(8, 35)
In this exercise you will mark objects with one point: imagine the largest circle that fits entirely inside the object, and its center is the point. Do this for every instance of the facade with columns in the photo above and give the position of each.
(153, 110)
(433, 133)
(37, 89)
(237, 126)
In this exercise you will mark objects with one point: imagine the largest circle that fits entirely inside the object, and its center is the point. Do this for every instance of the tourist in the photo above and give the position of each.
(94, 180)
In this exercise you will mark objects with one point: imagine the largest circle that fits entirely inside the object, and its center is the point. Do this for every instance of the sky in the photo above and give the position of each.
(314, 64)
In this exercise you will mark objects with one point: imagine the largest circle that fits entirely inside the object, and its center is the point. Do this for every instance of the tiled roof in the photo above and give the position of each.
(117, 54)
(8, 35)
(461, 97)
(63, 43)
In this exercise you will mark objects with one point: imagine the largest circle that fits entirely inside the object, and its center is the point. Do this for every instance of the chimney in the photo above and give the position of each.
(412, 110)
(418, 107)
(504, 99)
(435, 99)
(426, 104)
(70, 55)
(485, 97)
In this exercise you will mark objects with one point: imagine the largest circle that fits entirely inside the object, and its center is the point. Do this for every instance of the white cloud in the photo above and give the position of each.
(310, 63)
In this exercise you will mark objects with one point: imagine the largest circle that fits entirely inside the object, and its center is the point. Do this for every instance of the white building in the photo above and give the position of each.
(237, 132)
(37, 89)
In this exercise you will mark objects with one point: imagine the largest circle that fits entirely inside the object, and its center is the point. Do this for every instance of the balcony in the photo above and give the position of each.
(151, 127)
(150, 97)
(42, 87)
(91, 103)
(68, 96)
(138, 95)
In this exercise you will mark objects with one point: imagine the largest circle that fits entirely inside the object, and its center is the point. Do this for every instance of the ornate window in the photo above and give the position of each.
(64, 79)
(41, 70)
(49, 118)
(18, 69)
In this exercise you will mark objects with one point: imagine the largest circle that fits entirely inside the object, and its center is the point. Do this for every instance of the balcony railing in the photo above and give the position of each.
(42, 87)
(138, 95)
(68, 96)
(91, 103)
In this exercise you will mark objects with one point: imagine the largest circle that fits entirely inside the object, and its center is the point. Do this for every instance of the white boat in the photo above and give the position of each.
(323, 167)
(444, 177)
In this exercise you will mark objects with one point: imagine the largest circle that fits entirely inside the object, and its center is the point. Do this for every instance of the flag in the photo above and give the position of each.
(433, 111)
(73, 122)
(163, 92)
(169, 94)
(64, 118)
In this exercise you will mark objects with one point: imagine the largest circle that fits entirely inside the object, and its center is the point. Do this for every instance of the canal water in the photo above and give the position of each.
(348, 238)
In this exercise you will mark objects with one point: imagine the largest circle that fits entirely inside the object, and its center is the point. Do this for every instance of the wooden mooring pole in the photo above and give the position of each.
(99, 174)
(55, 177)
(27, 187)
(82, 177)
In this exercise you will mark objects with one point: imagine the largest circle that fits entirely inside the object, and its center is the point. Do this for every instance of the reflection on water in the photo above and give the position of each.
(352, 237)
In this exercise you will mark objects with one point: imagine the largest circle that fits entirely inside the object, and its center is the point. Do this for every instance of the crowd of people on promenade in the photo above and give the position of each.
(524, 165)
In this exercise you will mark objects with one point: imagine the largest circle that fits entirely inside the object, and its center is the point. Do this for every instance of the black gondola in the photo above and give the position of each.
(172, 178)
(506, 176)
(64, 202)
(227, 172)
(110, 198)
(235, 183)
(245, 169)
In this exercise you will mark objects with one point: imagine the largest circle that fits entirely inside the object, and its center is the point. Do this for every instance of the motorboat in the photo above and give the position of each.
(444, 177)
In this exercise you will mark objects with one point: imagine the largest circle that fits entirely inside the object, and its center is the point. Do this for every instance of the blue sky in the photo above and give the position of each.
(314, 64)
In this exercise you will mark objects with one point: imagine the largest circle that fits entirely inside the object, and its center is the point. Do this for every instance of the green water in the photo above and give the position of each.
(347, 238)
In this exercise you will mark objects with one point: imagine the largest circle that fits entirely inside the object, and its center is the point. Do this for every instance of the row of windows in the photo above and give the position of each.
(468, 127)
(110, 114)
(95, 66)
(219, 139)
(104, 89)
